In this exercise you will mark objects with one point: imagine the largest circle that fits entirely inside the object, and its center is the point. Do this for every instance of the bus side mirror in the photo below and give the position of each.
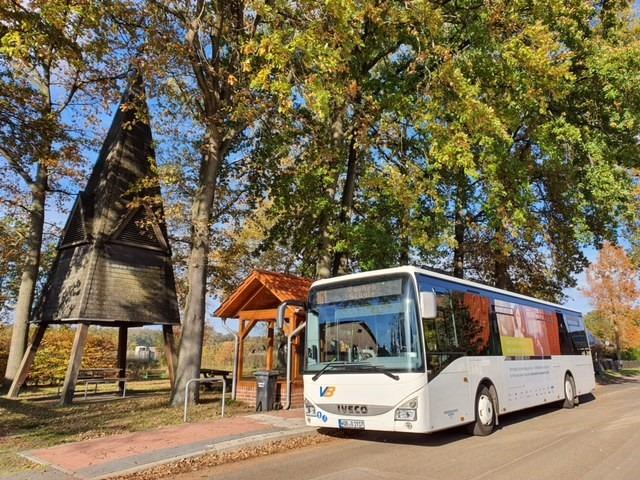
(282, 308)
(428, 305)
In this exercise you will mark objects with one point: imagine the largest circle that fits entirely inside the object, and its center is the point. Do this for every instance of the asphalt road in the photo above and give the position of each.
(600, 439)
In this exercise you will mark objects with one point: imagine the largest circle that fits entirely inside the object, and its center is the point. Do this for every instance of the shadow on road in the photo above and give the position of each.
(453, 435)
(429, 440)
(589, 397)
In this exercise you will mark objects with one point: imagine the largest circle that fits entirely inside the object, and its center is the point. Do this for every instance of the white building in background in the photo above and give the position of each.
(149, 354)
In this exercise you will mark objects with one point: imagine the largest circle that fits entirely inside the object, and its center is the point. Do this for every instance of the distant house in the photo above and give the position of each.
(144, 353)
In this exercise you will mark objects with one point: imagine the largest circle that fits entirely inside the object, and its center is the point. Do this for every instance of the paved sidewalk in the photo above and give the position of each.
(120, 454)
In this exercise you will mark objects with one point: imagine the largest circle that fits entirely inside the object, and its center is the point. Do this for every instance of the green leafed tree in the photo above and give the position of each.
(197, 52)
(345, 74)
(536, 131)
(494, 139)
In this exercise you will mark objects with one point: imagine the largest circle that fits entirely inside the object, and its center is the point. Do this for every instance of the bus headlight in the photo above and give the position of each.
(408, 411)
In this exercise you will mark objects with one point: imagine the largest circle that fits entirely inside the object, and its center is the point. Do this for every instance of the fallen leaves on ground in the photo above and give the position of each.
(194, 464)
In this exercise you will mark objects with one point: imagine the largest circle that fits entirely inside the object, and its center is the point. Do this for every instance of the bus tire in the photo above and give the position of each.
(485, 413)
(569, 392)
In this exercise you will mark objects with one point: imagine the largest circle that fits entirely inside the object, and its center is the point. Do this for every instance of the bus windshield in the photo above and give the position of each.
(364, 324)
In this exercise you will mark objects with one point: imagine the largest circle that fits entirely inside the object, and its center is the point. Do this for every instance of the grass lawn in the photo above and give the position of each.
(36, 420)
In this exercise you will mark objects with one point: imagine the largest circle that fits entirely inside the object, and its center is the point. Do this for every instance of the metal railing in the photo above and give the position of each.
(203, 380)
(301, 327)
(236, 345)
(280, 319)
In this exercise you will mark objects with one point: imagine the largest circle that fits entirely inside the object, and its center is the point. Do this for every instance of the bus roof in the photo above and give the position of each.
(441, 276)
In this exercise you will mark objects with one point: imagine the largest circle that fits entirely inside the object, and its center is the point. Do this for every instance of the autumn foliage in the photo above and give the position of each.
(52, 358)
(613, 290)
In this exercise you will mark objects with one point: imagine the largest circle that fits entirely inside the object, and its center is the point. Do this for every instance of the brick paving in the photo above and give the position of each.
(119, 454)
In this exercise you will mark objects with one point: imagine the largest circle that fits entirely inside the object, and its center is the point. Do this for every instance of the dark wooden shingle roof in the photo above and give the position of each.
(114, 259)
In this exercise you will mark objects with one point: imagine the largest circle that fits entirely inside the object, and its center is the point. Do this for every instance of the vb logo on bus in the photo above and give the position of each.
(327, 391)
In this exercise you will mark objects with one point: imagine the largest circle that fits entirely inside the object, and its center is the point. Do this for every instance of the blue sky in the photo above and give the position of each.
(575, 299)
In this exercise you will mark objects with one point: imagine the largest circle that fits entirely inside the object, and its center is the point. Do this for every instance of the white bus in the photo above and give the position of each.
(410, 350)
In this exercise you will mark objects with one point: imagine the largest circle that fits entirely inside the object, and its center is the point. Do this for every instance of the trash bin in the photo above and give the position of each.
(266, 383)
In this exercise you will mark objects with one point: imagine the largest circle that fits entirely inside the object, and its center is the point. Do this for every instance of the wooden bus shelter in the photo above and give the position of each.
(256, 300)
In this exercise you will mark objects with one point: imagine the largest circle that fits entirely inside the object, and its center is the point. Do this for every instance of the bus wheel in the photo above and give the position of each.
(485, 414)
(569, 392)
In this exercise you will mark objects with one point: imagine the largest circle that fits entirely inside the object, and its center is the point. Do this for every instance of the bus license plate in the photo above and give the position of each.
(356, 424)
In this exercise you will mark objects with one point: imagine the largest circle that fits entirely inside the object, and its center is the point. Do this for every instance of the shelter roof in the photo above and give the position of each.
(262, 290)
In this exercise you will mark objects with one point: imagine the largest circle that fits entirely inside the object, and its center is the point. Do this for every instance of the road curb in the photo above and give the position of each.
(222, 447)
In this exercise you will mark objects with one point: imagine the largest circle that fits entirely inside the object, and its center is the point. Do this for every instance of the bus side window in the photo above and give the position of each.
(463, 325)
(472, 315)
(577, 334)
(566, 345)
(441, 333)
(441, 336)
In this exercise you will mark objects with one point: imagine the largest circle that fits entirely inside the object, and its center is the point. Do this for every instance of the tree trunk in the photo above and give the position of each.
(20, 333)
(618, 345)
(405, 247)
(460, 226)
(340, 259)
(501, 274)
(500, 262)
(500, 266)
(324, 263)
(190, 350)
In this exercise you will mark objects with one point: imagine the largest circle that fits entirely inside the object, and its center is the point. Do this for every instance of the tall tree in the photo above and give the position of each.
(537, 124)
(197, 52)
(50, 52)
(612, 287)
(343, 73)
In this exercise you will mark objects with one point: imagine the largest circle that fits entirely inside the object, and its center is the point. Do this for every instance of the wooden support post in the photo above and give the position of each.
(74, 364)
(270, 346)
(170, 352)
(27, 361)
(122, 357)
(240, 349)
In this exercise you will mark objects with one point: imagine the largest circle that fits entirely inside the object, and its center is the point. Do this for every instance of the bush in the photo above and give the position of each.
(631, 354)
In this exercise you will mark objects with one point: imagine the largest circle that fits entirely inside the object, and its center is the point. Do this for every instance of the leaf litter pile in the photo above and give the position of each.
(194, 464)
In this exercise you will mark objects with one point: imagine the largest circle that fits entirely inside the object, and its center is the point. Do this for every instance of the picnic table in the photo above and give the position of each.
(101, 376)
(213, 372)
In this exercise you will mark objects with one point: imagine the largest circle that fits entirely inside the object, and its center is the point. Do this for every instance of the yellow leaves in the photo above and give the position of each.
(539, 62)
(353, 89)
(12, 45)
(263, 49)
(232, 80)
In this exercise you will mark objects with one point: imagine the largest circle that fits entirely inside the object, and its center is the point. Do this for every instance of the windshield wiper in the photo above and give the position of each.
(331, 364)
(375, 368)
(355, 366)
